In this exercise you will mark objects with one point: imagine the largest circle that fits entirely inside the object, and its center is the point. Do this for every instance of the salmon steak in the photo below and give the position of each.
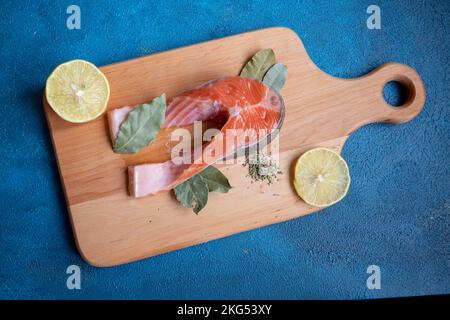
(250, 111)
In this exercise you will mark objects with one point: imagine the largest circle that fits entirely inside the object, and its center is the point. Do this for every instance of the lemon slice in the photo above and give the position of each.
(78, 91)
(321, 177)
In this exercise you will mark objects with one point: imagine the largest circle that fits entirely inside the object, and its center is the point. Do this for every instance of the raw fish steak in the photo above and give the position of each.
(249, 110)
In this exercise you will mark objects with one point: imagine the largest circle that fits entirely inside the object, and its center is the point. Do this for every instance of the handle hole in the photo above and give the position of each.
(396, 93)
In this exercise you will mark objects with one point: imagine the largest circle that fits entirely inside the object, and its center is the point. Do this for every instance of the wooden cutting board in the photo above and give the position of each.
(111, 227)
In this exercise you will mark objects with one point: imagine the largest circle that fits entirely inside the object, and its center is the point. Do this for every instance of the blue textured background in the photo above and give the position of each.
(396, 214)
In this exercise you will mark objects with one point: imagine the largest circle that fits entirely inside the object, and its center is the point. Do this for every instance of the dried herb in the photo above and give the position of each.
(276, 76)
(262, 167)
(141, 126)
(193, 193)
(215, 180)
(258, 65)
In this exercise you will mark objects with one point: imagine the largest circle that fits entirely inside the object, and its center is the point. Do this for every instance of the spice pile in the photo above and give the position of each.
(262, 167)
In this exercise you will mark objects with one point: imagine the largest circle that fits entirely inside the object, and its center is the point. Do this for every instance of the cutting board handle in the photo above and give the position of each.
(407, 77)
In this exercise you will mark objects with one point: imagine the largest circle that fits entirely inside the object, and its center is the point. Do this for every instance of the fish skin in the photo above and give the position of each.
(241, 103)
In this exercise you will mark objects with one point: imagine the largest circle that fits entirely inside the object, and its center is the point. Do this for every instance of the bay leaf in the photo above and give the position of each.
(276, 76)
(215, 180)
(193, 193)
(141, 126)
(258, 65)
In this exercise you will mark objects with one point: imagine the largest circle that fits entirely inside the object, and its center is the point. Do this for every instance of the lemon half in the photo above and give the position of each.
(78, 91)
(321, 177)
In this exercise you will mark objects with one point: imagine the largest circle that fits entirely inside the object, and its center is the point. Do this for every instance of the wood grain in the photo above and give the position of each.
(112, 228)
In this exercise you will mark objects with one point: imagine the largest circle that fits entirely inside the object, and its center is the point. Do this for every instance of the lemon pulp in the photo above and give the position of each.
(321, 177)
(77, 91)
